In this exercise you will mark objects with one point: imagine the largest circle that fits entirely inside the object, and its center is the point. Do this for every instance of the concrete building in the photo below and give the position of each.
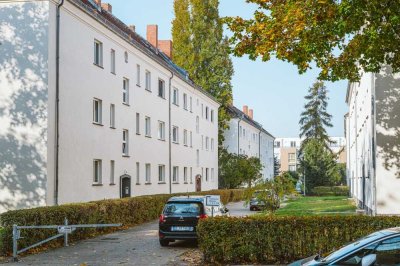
(373, 137)
(287, 149)
(98, 113)
(246, 136)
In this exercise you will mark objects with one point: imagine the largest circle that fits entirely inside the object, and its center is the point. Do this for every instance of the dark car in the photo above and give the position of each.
(379, 248)
(179, 219)
(257, 205)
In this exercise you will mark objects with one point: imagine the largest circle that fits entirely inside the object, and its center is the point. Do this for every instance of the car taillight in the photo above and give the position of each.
(203, 216)
(163, 218)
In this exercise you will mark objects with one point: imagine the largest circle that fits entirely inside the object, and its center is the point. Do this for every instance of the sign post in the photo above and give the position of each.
(213, 201)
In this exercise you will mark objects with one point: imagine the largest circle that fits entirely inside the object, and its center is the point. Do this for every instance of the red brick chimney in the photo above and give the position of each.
(152, 35)
(245, 109)
(166, 47)
(107, 7)
(251, 113)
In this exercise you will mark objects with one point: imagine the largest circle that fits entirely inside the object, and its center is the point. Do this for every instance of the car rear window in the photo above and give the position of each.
(182, 208)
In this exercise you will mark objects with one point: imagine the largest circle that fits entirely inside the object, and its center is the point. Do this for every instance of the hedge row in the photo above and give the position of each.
(128, 211)
(331, 191)
(280, 240)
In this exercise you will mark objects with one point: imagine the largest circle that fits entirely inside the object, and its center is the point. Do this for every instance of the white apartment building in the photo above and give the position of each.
(286, 151)
(373, 137)
(99, 113)
(246, 136)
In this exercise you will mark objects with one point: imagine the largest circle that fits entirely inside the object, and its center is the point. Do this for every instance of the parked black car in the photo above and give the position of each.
(179, 219)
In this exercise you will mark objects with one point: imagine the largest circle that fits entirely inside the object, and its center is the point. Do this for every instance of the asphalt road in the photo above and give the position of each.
(136, 246)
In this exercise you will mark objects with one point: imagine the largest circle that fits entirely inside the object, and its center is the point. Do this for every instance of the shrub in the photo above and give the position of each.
(128, 211)
(331, 191)
(279, 240)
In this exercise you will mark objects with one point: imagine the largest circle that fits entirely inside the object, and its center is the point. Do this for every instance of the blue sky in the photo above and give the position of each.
(273, 89)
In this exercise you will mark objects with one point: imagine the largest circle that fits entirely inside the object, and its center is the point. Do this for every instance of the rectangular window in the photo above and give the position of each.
(191, 175)
(197, 124)
(175, 134)
(206, 112)
(202, 142)
(161, 130)
(240, 131)
(97, 171)
(197, 158)
(207, 174)
(161, 173)
(112, 61)
(98, 53)
(138, 173)
(202, 111)
(112, 116)
(148, 173)
(148, 80)
(112, 172)
(277, 144)
(212, 174)
(293, 144)
(185, 173)
(185, 137)
(161, 88)
(191, 104)
(207, 143)
(138, 75)
(175, 174)
(185, 104)
(191, 139)
(292, 168)
(125, 142)
(212, 116)
(137, 123)
(97, 111)
(292, 158)
(212, 144)
(125, 91)
(175, 97)
(147, 126)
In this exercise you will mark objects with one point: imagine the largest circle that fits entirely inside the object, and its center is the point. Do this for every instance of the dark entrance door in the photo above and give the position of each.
(125, 186)
(198, 183)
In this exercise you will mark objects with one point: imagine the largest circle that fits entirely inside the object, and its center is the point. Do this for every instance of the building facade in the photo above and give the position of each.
(117, 118)
(373, 137)
(286, 150)
(246, 136)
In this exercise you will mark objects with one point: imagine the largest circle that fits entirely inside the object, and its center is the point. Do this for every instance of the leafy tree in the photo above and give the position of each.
(342, 37)
(201, 48)
(251, 168)
(277, 166)
(315, 118)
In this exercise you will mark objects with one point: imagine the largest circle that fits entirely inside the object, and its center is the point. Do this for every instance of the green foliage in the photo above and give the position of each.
(341, 37)
(200, 48)
(331, 191)
(280, 240)
(236, 170)
(128, 211)
(277, 166)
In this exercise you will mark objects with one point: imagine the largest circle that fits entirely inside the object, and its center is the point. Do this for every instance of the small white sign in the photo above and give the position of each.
(64, 229)
(213, 200)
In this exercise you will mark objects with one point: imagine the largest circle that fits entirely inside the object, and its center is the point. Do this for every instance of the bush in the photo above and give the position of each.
(280, 240)
(128, 211)
(331, 191)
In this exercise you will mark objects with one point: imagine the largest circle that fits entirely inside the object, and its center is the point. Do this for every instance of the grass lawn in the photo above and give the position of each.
(305, 206)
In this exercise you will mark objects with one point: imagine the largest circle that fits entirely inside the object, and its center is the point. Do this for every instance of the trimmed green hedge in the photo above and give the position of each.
(128, 211)
(280, 240)
(331, 191)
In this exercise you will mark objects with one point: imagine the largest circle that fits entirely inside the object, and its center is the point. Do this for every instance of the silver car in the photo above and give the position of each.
(379, 248)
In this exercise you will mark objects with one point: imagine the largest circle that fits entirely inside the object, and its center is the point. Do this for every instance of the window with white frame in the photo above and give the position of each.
(191, 175)
(212, 116)
(125, 91)
(197, 124)
(97, 171)
(207, 174)
(197, 158)
(148, 81)
(161, 130)
(137, 173)
(202, 111)
(126, 57)
(202, 142)
(161, 173)
(147, 126)
(212, 144)
(112, 61)
(185, 137)
(212, 174)
(185, 103)
(185, 174)
(240, 131)
(207, 143)
(207, 112)
(175, 96)
(161, 88)
(148, 173)
(125, 142)
(112, 172)
(191, 104)
(112, 116)
(97, 111)
(175, 134)
(191, 139)
(137, 124)
(98, 53)
(138, 75)
(175, 174)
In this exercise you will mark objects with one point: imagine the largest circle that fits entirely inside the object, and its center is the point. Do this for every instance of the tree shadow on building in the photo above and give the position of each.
(23, 104)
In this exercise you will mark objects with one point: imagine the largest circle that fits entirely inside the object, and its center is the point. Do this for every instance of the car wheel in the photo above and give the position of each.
(164, 242)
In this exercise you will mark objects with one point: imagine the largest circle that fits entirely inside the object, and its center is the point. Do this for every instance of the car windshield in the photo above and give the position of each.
(182, 208)
(350, 247)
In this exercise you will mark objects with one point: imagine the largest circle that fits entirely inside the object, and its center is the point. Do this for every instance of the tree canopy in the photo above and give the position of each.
(342, 37)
